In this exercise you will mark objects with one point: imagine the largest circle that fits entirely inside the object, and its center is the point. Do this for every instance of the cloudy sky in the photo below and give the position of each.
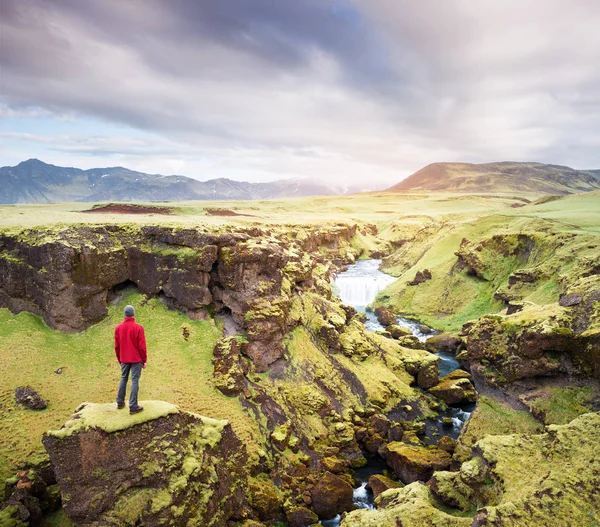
(339, 90)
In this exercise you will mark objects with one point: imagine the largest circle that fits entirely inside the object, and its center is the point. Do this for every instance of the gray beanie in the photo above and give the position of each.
(129, 311)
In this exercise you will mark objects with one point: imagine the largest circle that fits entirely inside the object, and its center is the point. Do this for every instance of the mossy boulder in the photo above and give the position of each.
(414, 462)
(379, 483)
(447, 444)
(331, 495)
(385, 316)
(264, 497)
(455, 388)
(428, 374)
(301, 517)
(397, 331)
(148, 469)
(445, 342)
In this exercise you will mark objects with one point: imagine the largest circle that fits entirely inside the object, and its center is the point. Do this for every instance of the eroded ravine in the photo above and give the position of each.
(358, 287)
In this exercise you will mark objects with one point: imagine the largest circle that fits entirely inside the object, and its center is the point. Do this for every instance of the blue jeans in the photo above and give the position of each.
(136, 371)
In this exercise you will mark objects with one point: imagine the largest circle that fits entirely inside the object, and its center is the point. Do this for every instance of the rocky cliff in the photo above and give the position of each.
(160, 467)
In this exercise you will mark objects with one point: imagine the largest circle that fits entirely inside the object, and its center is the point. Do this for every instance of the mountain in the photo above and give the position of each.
(501, 177)
(34, 181)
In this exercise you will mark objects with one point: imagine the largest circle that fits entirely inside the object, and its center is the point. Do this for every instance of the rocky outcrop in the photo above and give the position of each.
(153, 468)
(29, 496)
(421, 277)
(513, 480)
(455, 388)
(385, 316)
(414, 462)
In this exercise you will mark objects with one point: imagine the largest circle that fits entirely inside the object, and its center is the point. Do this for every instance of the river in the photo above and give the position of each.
(358, 286)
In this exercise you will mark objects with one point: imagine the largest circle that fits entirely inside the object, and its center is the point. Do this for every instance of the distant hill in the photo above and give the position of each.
(501, 177)
(34, 181)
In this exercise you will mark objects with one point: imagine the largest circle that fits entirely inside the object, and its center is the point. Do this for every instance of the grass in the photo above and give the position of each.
(179, 371)
(561, 405)
(493, 417)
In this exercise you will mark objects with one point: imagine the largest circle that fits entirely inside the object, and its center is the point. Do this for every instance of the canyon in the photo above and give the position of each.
(286, 389)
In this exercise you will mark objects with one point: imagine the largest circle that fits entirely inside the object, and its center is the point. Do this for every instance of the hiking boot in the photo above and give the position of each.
(135, 410)
(120, 406)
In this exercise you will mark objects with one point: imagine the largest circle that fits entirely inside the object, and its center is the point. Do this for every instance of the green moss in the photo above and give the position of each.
(492, 417)
(561, 405)
(9, 517)
(108, 418)
(57, 519)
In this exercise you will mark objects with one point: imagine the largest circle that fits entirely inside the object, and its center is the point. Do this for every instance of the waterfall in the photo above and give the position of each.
(359, 285)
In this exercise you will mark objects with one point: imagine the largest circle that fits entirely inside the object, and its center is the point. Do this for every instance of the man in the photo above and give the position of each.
(130, 348)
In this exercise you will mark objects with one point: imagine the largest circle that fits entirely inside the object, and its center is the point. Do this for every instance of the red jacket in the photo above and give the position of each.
(130, 342)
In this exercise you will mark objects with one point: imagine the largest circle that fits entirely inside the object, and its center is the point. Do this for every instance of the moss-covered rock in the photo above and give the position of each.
(148, 469)
(379, 483)
(301, 517)
(414, 462)
(331, 495)
(455, 388)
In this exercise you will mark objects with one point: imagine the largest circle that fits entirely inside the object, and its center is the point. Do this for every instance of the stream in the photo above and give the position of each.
(358, 286)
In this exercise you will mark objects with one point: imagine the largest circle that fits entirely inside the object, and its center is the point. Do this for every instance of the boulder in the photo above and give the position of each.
(571, 300)
(379, 483)
(447, 444)
(149, 468)
(415, 463)
(264, 497)
(397, 331)
(28, 397)
(444, 342)
(385, 316)
(428, 375)
(455, 388)
(301, 517)
(331, 496)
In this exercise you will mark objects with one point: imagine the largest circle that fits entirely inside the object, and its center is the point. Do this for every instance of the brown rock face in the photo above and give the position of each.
(455, 388)
(415, 463)
(385, 316)
(421, 277)
(331, 495)
(379, 484)
(149, 474)
(229, 366)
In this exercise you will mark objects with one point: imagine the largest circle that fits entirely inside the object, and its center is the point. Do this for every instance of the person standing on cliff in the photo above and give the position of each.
(130, 348)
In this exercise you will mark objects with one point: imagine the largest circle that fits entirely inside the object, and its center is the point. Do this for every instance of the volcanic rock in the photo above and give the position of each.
(28, 397)
(415, 463)
(148, 468)
(331, 495)
(379, 483)
(455, 388)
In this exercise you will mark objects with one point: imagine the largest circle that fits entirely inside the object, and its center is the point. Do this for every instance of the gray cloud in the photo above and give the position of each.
(340, 89)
